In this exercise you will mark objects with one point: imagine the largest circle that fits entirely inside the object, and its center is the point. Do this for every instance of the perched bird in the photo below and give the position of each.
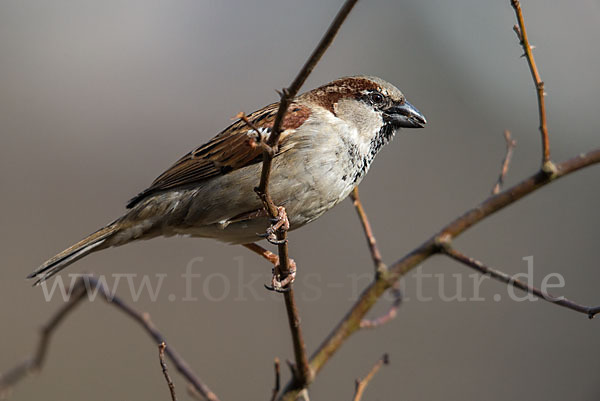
(330, 136)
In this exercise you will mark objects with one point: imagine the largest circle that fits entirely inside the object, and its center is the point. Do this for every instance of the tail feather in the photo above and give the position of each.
(70, 255)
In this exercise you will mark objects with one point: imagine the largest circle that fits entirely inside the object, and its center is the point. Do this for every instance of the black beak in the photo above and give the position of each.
(405, 115)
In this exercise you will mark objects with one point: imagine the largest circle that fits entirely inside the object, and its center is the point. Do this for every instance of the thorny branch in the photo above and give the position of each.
(163, 365)
(539, 85)
(82, 287)
(361, 384)
(510, 147)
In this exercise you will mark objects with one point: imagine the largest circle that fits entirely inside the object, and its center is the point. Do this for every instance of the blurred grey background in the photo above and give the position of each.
(98, 97)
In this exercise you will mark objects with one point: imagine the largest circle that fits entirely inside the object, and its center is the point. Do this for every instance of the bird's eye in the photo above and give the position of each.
(376, 98)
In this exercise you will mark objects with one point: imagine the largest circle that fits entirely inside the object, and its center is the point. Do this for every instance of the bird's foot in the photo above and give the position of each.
(280, 222)
(279, 284)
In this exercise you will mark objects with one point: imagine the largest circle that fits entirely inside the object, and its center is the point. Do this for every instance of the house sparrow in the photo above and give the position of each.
(329, 138)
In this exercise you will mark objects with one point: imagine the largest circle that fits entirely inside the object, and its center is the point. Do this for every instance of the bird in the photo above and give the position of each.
(329, 139)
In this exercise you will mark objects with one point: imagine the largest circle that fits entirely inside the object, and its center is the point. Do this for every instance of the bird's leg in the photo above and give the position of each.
(276, 283)
(259, 250)
(280, 222)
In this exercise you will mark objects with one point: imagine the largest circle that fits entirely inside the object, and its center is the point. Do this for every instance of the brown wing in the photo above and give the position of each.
(230, 150)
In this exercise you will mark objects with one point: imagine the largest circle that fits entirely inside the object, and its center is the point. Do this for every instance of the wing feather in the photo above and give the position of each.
(230, 150)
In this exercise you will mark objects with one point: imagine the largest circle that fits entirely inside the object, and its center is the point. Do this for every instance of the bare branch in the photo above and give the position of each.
(505, 278)
(288, 94)
(362, 215)
(539, 84)
(351, 321)
(430, 247)
(548, 173)
(194, 393)
(163, 365)
(510, 147)
(303, 372)
(277, 385)
(391, 313)
(380, 267)
(361, 384)
(80, 289)
(305, 375)
(35, 363)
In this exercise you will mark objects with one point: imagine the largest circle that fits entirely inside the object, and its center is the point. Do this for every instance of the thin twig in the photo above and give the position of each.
(305, 375)
(288, 94)
(510, 147)
(80, 289)
(362, 215)
(144, 320)
(361, 384)
(380, 267)
(539, 85)
(277, 385)
(549, 173)
(390, 314)
(505, 278)
(163, 365)
(350, 323)
(194, 393)
(35, 363)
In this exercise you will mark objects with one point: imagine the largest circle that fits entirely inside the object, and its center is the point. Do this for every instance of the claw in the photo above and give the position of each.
(279, 285)
(277, 289)
(273, 240)
(280, 222)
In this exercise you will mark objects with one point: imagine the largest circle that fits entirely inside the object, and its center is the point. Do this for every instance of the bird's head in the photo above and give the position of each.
(358, 97)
